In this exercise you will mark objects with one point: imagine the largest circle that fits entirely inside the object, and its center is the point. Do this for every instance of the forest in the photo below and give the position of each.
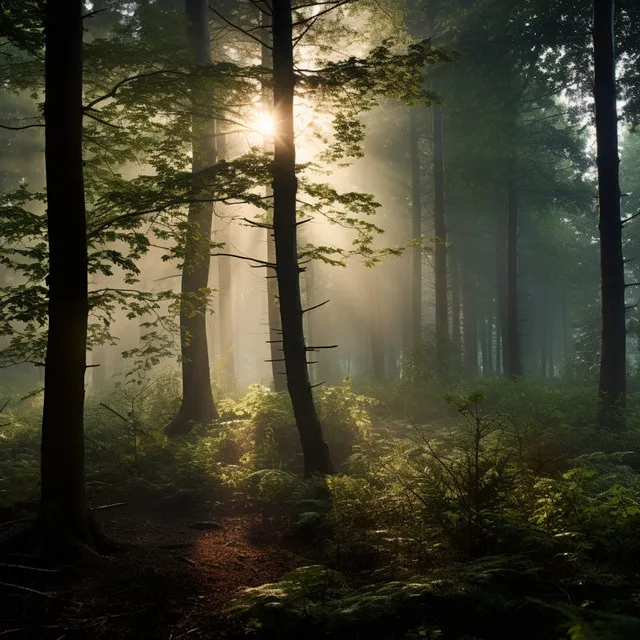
(320, 319)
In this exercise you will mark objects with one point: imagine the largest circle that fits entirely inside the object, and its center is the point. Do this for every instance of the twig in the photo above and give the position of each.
(238, 28)
(8, 524)
(108, 408)
(26, 126)
(109, 506)
(27, 567)
(39, 593)
(315, 306)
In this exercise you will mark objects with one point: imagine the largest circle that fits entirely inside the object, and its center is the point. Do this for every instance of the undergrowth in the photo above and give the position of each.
(504, 500)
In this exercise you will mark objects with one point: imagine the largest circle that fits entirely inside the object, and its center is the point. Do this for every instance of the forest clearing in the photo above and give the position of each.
(320, 319)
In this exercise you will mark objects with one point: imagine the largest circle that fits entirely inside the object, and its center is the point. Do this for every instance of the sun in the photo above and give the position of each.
(264, 124)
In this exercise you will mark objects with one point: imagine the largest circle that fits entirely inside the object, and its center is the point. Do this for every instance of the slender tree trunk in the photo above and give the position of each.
(285, 186)
(487, 347)
(566, 337)
(416, 211)
(514, 357)
(197, 398)
(613, 353)
(440, 252)
(225, 296)
(273, 311)
(455, 309)
(63, 525)
(470, 328)
(501, 291)
(544, 348)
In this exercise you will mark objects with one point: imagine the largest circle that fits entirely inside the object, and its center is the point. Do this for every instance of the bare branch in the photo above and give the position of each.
(26, 126)
(630, 218)
(262, 263)
(235, 26)
(315, 306)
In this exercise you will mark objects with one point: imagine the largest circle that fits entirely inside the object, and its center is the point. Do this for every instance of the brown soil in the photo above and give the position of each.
(170, 581)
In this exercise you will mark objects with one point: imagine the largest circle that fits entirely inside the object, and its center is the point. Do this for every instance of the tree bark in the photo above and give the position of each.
(197, 399)
(285, 186)
(273, 311)
(416, 217)
(514, 357)
(63, 525)
(613, 354)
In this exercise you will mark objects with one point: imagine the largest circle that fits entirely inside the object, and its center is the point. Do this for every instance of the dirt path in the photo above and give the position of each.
(184, 568)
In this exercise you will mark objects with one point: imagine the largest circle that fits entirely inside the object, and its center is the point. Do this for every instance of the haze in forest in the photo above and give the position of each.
(320, 319)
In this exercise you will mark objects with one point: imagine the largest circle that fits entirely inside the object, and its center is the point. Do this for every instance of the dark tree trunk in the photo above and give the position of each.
(225, 296)
(63, 525)
(285, 186)
(613, 353)
(512, 346)
(440, 251)
(273, 311)
(416, 216)
(197, 399)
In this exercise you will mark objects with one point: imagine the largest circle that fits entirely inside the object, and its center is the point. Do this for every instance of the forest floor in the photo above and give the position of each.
(181, 565)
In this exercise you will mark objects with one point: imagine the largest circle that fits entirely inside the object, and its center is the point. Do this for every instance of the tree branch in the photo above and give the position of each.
(26, 126)
(235, 26)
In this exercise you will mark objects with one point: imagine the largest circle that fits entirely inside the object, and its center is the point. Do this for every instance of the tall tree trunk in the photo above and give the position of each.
(285, 186)
(613, 353)
(440, 229)
(197, 398)
(273, 311)
(501, 294)
(63, 525)
(416, 217)
(455, 309)
(566, 337)
(225, 296)
(514, 357)
(487, 345)
(469, 326)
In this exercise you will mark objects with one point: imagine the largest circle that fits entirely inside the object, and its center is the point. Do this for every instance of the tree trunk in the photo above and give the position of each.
(225, 297)
(613, 353)
(440, 229)
(470, 329)
(566, 337)
(501, 295)
(455, 310)
(273, 311)
(63, 525)
(197, 399)
(513, 355)
(487, 346)
(285, 186)
(416, 216)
